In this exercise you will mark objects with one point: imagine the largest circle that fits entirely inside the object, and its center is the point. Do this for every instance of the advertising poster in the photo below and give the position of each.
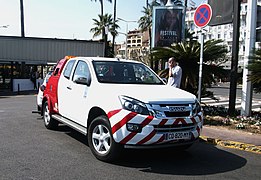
(168, 26)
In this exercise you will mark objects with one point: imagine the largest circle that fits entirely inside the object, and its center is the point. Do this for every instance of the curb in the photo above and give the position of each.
(232, 144)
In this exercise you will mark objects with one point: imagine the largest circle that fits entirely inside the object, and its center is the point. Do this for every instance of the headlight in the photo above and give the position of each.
(133, 105)
(196, 107)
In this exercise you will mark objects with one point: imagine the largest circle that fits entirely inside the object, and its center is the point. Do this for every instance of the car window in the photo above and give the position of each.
(68, 69)
(81, 70)
(125, 73)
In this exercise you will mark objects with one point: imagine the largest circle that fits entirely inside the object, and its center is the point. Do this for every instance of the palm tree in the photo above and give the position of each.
(99, 26)
(102, 22)
(145, 22)
(255, 67)
(114, 20)
(187, 54)
(101, 3)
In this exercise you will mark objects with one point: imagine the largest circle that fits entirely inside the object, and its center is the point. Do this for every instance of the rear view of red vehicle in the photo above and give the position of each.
(50, 93)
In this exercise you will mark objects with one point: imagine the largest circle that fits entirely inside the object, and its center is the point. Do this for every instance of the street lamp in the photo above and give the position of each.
(127, 24)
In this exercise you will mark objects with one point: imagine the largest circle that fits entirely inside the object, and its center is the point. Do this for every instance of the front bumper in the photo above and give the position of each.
(152, 134)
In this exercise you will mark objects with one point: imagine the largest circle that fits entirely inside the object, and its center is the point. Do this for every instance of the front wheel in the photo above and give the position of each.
(49, 122)
(101, 141)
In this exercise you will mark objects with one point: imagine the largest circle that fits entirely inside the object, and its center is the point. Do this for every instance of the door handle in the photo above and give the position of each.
(68, 87)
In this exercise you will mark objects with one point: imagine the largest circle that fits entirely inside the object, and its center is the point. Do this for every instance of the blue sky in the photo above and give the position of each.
(67, 19)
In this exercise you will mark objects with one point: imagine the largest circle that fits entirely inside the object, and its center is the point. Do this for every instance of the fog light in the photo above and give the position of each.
(134, 127)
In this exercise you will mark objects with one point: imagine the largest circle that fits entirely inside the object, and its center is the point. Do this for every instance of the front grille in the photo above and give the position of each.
(175, 127)
(173, 110)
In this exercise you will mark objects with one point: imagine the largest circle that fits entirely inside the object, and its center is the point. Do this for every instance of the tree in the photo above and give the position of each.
(187, 53)
(145, 22)
(255, 67)
(102, 22)
(114, 20)
(101, 3)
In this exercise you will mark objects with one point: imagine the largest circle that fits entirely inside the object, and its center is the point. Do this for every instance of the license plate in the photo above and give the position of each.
(177, 135)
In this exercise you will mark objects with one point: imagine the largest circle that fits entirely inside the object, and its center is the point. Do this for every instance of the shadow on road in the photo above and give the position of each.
(200, 159)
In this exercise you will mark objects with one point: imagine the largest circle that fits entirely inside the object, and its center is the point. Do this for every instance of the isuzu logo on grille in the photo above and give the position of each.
(176, 108)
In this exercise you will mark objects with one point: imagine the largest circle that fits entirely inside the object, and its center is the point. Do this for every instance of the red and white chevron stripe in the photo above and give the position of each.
(119, 119)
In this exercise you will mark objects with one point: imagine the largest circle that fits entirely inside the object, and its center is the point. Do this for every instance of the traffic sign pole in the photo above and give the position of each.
(200, 65)
(202, 17)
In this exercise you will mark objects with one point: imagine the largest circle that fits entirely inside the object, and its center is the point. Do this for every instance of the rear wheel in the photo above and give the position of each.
(101, 141)
(49, 122)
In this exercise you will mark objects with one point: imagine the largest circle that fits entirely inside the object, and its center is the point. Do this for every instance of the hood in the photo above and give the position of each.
(149, 93)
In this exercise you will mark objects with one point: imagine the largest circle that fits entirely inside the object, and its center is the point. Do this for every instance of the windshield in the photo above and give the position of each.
(124, 73)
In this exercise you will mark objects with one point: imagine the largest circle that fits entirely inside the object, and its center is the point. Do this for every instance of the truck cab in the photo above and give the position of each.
(120, 104)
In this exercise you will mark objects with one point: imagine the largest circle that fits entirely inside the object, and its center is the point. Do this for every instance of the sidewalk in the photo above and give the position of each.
(232, 138)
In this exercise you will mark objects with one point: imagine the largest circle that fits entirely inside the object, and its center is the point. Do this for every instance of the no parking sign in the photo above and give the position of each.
(202, 15)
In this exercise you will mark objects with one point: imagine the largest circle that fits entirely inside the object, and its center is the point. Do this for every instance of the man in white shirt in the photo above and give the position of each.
(175, 73)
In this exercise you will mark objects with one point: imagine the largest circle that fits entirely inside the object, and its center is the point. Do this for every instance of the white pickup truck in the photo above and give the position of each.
(120, 104)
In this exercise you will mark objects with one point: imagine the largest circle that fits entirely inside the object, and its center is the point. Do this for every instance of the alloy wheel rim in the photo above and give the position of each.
(46, 115)
(101, 139)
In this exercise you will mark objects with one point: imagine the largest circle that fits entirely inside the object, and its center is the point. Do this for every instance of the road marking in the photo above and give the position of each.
(256, 103)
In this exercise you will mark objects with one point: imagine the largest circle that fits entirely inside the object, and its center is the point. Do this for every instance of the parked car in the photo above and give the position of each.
(41, 89)
(120, 104)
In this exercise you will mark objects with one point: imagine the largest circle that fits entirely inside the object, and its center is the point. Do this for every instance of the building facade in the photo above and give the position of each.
(137, 46)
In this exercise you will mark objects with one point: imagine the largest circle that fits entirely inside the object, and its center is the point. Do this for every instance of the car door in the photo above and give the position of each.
(64, 94)
(81, 83)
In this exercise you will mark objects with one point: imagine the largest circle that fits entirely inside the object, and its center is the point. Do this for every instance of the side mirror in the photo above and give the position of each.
(83, 80)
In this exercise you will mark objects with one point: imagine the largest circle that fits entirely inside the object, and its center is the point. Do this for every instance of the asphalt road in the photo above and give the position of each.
(223, 89)
(29, 151)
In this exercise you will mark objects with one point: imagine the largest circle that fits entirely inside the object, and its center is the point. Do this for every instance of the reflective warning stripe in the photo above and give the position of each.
(128, 138)
(163, 122)
(122, 122)
(132, 134)
(119, 118)
(161, 139)
(177, 121)
(111, 113)
(147, 138)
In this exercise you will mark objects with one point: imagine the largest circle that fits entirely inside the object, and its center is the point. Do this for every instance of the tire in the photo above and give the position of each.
(49, 122)
(101, 141)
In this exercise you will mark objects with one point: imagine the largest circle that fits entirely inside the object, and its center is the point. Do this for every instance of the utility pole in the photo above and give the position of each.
(246, 98)
(22, 17)
(234, 60)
